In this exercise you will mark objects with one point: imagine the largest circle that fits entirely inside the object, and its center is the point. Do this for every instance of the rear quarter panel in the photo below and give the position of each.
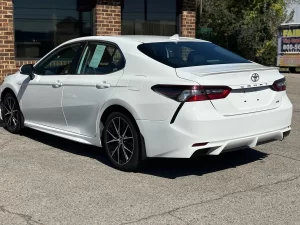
(141, 73)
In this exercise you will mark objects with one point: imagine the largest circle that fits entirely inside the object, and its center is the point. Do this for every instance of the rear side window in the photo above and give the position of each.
(100, 59)
(188, 54)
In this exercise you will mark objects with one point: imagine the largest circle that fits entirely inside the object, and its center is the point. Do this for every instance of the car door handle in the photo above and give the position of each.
(103, 85)
(57, 84)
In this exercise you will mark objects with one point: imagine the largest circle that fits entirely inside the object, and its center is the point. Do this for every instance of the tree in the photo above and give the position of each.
(247, 27)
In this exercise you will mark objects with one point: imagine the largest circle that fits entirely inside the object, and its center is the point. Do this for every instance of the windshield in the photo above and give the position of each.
(188, 54)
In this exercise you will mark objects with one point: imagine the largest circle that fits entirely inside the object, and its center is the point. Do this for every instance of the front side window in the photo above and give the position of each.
(100, 59)
(188, 54)
(58, 63)
(41, 25)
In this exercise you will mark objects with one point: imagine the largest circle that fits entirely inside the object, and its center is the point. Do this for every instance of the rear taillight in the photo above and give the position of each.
(192, 93)
(279, 85)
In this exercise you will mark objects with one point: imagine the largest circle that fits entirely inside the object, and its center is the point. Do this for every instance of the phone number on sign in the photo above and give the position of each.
(290, 47)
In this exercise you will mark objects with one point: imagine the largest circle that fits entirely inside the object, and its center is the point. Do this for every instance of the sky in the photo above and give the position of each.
(297, 13)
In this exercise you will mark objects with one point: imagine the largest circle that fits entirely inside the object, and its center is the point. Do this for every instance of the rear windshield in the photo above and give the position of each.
(187, 54)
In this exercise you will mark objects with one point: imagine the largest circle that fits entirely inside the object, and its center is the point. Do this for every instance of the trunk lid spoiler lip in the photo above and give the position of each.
(253, 69)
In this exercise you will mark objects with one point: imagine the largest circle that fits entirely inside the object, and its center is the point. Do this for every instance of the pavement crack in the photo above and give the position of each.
(287, 157)
(177, 217)
(6, 142)
(27, 218)
(170, 212)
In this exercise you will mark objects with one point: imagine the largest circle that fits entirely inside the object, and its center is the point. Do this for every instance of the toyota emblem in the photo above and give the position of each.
(255, 77)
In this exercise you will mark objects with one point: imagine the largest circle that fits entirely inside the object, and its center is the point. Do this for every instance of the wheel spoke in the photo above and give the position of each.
(115, 150)
(14, 121)
(6, 109)
(13, 106)
(126, 156)
(9, 121)
(114, 140)
(11, 102)
(130, 143)
(125, 130)
(8, 104)
(111, 135)
(127, 149)
(126, 138)
(116, 127)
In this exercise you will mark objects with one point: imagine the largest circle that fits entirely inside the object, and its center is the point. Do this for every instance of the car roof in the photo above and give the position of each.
(152, 38)
(137, 39)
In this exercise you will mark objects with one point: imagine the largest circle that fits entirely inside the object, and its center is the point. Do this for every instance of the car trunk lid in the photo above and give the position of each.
(250, 84)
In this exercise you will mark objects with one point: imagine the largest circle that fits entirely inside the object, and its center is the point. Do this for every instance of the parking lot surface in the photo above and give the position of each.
(48, 180)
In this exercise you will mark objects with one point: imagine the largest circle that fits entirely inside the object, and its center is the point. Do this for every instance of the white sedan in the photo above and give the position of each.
(148, 96)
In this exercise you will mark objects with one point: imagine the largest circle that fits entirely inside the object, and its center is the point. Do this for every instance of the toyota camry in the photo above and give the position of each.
(148, 96)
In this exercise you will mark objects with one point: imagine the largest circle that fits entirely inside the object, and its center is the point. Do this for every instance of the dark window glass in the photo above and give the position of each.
(187, 54)
(161, 17)
(100, 59)
(152, 17)
(133, 17)
(58, 63)
(42, 25)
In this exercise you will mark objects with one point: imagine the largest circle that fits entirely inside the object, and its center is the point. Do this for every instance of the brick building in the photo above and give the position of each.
(29, 29)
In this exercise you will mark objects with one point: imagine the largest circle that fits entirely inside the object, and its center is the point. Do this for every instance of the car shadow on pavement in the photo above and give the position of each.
(201, 165)
(67, 145)
(166, 168)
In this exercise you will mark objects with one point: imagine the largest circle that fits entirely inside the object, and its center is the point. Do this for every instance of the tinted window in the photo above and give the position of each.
(100, 59)
(153, 17)
(161, 17)
(41, 25)
(133, 17)
(59, 63)
(187, 54)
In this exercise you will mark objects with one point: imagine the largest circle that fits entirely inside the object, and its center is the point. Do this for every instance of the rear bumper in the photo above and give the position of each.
(246, 142)
(205, 125)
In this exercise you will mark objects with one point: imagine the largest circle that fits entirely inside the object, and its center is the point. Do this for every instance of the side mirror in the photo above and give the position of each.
(27, 69)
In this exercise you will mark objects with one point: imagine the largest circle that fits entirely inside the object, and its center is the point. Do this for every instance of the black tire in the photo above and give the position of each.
(11, 114)
(121, 142)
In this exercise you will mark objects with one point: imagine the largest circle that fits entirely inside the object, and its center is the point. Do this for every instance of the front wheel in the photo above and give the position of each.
(121, 141)
(11, 114)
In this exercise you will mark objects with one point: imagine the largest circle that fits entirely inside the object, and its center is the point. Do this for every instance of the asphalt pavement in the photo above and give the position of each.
(49, 180)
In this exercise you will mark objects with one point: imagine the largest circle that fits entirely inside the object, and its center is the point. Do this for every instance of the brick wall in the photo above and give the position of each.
(7, 55)
(108, 17)
(188, 19)
(8, 64)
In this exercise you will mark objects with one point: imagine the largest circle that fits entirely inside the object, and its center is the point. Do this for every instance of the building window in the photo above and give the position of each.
(150, 17)
(42, 25)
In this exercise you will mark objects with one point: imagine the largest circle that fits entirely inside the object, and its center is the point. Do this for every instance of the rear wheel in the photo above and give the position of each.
(121, 141)
(11, 113)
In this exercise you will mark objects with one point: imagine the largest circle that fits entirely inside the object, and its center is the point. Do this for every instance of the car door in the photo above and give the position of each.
(98, 73)
(42, 96)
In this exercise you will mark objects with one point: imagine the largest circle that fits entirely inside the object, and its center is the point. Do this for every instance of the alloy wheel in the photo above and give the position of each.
(10, 113)
(119, 140)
